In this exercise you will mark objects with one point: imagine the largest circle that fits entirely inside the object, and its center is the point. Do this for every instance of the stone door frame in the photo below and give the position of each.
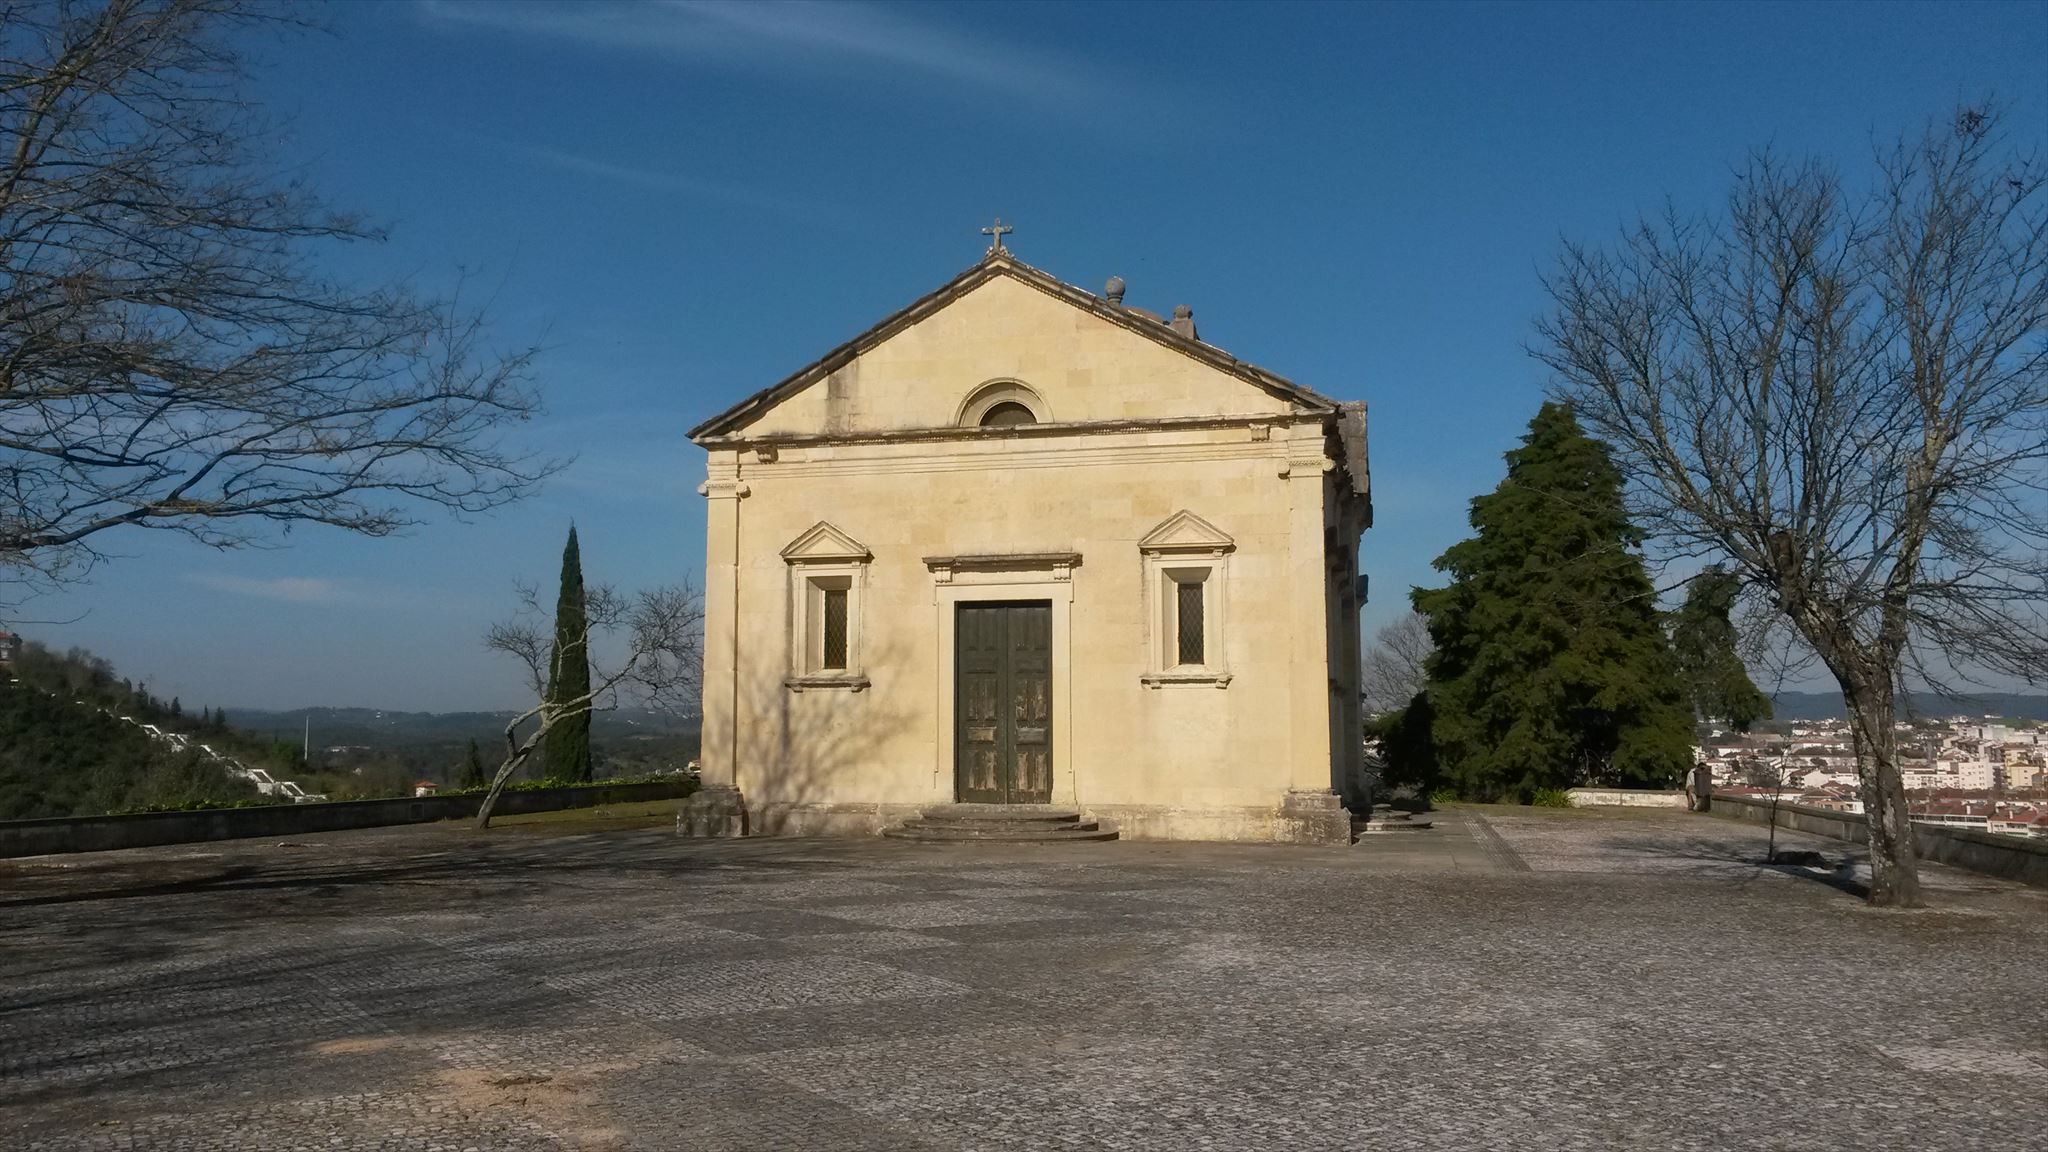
(966, 579)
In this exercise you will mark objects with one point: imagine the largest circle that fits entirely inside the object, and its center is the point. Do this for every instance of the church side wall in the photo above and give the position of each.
(1177, 760)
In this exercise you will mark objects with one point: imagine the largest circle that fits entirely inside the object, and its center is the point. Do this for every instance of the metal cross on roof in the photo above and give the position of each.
(997, 230)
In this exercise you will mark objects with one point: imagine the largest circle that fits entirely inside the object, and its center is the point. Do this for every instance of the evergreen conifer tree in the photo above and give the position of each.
(568, 742)
(1703, 639)
(1551, 666)
(472, 767)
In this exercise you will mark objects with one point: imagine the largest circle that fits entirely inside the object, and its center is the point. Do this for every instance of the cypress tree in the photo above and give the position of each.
(472, 767)
(1551, 666)
(568, 743)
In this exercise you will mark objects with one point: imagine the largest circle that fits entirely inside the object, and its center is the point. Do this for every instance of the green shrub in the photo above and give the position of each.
(1438, 797)
(1551, 798)
(539, 785)
(201, 806)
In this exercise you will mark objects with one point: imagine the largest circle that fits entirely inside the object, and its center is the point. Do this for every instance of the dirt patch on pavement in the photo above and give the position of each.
(356, 1045)
(564, 1103)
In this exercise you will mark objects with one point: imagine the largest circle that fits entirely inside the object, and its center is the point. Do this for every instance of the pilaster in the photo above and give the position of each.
(718, 762)
(1306, 470)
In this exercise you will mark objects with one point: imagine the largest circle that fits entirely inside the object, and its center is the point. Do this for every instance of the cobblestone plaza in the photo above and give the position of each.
(1510, 979)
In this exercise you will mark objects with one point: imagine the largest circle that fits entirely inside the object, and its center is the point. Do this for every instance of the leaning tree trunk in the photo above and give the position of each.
(516, 755)
(1894, 864)
(483, 810)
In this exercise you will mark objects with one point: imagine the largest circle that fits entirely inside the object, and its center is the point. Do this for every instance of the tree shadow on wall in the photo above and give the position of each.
(834, 745)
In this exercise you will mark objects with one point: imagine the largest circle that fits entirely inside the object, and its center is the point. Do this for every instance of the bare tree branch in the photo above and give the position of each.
(1843, 398)
(169, 358)
(646, 648)
(1392, 672)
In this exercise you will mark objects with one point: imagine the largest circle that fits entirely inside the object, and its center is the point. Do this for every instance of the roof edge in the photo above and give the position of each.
(1001, 263)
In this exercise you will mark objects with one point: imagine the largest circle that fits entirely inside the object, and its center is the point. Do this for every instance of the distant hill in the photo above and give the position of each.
(75, 739)
(59, 757)
(1828, 706)
(375, 728)
(363, 750)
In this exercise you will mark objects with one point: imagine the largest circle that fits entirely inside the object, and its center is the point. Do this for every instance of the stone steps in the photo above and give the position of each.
(1000, 824)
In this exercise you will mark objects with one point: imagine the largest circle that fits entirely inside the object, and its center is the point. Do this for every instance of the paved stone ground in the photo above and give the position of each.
(1512, 979)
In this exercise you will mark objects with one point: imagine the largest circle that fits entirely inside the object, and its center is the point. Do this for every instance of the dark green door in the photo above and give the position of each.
(1002, 708)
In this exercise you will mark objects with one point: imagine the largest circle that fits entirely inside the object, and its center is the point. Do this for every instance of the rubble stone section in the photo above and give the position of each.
(1313, 817)
(714, 812)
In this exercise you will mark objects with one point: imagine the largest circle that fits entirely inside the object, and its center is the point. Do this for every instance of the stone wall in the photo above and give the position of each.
(2007, 857)
(1625, 798)
(143, 829)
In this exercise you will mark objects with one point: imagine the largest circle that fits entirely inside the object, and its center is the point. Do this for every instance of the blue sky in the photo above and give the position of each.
(685, 202)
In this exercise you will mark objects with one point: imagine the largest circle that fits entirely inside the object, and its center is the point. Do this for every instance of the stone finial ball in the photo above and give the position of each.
(1182, 312)
(1114, 289)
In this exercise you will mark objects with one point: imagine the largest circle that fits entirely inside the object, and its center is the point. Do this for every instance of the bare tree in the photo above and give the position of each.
(1843, 397)
(660, 637)
(1773, 774)
(169, 357)
(1392, 672)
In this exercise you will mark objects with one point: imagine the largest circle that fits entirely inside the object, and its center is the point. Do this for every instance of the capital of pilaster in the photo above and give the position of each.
(724, 488)
(1305, 467)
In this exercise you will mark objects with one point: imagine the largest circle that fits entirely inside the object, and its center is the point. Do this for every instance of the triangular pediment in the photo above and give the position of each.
(1065, 332)
(822, 542)
(1186, 532)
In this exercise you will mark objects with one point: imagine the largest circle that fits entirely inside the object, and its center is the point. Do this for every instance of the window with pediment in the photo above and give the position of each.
(827, 587)
(1187, 566)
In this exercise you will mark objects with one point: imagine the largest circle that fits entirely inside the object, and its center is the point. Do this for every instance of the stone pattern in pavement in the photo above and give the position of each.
(1510, 979)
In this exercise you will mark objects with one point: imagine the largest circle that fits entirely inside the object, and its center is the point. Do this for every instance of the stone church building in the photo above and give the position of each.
(1021, 544)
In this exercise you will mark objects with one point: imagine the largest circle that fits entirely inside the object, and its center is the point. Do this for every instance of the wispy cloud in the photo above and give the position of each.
(667, 181)
(289, 589)
(768, 33)
(646, 177)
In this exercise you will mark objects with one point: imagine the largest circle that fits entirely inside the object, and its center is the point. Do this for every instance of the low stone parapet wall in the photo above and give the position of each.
(2008, 857)
(1625, 798)
(144, 829)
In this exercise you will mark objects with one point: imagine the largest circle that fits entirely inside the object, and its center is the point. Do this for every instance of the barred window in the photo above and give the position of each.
(1187, 594)
(835, 629)
(1190, 594)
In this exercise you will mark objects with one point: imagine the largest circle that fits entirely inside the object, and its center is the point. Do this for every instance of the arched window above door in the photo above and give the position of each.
(1003, 403)
(1007, 412)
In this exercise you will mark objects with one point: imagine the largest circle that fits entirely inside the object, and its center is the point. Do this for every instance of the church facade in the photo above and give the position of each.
(1022, 544)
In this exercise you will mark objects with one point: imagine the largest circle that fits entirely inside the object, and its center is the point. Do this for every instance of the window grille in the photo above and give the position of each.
(835, 629)
(1190, 594)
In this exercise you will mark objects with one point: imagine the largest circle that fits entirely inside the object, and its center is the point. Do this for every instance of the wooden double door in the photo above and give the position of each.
(1002, 709)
